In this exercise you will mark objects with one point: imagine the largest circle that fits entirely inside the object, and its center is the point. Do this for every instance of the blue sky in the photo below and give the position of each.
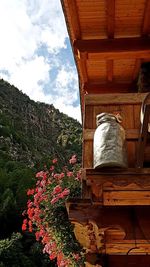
(35, 53)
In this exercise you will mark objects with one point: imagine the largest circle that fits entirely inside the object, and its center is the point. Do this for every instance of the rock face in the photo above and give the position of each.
(32, 130)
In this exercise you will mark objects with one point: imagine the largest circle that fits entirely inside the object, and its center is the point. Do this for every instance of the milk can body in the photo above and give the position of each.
(109, 142)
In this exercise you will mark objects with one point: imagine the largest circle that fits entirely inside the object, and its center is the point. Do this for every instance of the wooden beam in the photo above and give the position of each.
(126, 198)
(136, 69)
(114, 48)
(110, 32)
(72, 18)
(84, 69)
(109, 87)
(134, 172)
(109, 70)
(110, 9)
(146, 21)
(128, 247)
(130, 98)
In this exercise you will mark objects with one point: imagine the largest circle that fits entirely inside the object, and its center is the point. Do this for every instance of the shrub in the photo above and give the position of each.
(47, 216)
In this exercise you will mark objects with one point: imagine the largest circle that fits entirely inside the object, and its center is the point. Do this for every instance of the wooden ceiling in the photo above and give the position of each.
(110, 40)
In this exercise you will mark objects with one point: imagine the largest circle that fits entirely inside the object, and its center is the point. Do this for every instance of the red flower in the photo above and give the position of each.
(66, 192)
(54, 200)
(52, 168)
(69, 174)
(24, 225)
(57, 190)
(41, 174)
(30, 192)
(54, 161)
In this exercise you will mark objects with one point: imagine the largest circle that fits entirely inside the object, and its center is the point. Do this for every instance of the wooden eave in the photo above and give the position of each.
(110, 40)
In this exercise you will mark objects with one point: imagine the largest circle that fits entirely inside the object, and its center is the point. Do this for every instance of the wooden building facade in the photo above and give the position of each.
(111, 42)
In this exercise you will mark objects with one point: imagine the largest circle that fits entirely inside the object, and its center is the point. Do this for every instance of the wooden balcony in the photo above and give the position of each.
(118, 187)
(110, 230)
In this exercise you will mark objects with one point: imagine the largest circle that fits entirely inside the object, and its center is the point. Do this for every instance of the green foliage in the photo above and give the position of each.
(16, 252)
(31, 131)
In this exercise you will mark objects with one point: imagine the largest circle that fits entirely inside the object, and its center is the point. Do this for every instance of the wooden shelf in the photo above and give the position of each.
(117, 187)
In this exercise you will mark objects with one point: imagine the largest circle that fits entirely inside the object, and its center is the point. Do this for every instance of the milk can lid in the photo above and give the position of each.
(102, 117)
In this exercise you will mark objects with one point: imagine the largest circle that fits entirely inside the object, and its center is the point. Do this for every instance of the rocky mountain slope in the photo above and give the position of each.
(30, 131)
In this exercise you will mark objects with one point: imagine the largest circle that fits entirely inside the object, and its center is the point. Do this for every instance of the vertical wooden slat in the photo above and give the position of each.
(88, 154)
(109, 65)
(88, 123)
(110, 9)
(146, 21)
(110, 32)
(136, 69)
(136, 116)
(131, 153)
(127, 116)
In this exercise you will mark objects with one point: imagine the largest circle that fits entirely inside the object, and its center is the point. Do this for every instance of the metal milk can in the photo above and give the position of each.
(109, 142)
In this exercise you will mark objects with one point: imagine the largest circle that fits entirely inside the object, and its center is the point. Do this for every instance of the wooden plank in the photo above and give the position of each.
(131, 153)
(131, 134)
(136, 111)
(109, 66)
(136, 69)
(98, 99)
(115, 48)
(111, 87)
(84, 68)
(88, 154)
(127, 116)
(72, 18)
(134, 172)
(88, 120)
(124, 198)
(128, 247)
(132, 261)
(110, 9)
(146, 21)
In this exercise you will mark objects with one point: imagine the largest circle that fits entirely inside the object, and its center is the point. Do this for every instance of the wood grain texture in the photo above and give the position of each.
(97, 99)
(126, 198)
(146, 21)
(96, 88)
(113, 48)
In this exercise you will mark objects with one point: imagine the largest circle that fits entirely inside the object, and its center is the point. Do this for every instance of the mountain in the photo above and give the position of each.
(31, 131)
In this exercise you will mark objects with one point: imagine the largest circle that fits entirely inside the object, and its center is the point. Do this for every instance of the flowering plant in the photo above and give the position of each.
(47, 216)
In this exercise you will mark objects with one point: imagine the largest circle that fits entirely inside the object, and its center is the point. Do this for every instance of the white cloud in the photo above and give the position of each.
(24, 27)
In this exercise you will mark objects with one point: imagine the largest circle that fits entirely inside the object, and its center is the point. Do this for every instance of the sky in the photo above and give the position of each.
(35, 53)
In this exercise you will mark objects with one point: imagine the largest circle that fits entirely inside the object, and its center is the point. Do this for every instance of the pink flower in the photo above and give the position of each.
(78, 178)
(55, 161)
(59, 175)
(41, 174)
(52, 168)
(69, 174)
(57, 190)
(66, 192)
(54, 200)
(62, 175)
(30, 192)
(73, 159)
